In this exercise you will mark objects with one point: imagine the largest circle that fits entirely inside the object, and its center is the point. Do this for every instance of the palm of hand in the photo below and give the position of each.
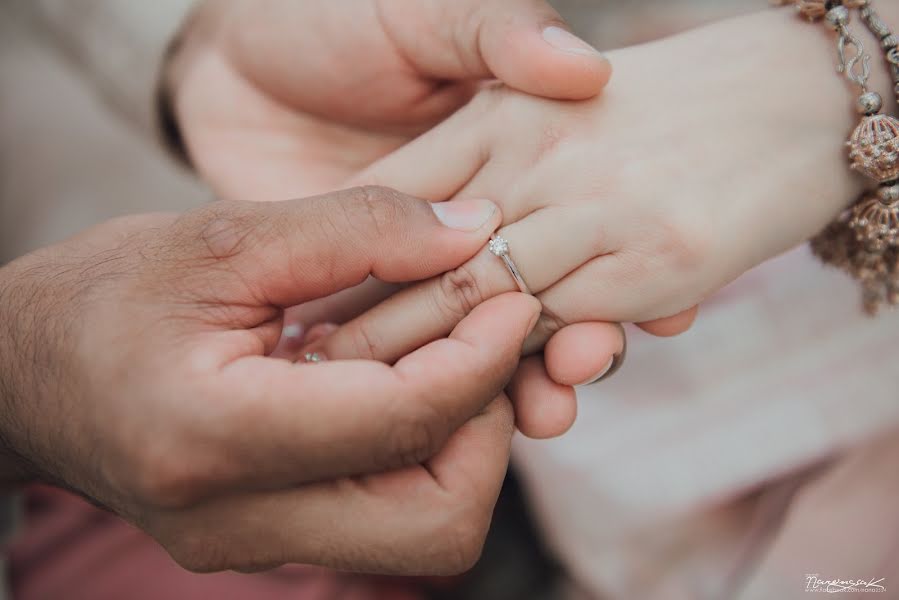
(260, 126)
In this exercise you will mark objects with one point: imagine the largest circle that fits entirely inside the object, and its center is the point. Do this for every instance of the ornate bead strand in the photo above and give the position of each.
(864, 240)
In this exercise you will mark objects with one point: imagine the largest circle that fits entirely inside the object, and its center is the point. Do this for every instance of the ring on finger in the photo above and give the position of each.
(499, 246)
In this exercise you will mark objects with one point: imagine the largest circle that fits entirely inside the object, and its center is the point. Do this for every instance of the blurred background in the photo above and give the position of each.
(662, 476)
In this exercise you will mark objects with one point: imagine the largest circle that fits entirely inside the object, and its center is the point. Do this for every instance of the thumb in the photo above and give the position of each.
(523, 43)
(287, 253)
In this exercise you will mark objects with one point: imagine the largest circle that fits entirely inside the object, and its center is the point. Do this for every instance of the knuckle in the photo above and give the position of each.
(550, 137)
(380, 208)
(222, 229)
(686, 242)
(458, 292)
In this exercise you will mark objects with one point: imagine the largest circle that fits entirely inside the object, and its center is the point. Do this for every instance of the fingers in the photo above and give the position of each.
(418, 314)
(671, 326)
(279, 424)
(543, 408)
(285, 253)
(612, 278)
(583, 353)
(429, 310)
(461, 137)
(314, 320)
(489, 436)
(345, 305)
(535, 52)
(523, 43)
(589, 352)
(429, 520)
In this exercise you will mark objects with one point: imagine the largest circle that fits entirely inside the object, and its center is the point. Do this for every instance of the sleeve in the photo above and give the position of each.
(118, 45)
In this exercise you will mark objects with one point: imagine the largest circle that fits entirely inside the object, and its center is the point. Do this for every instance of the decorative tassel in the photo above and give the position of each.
(864, 242)
(864, 239)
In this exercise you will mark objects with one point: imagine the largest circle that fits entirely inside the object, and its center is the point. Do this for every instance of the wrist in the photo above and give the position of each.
(15, 373)
(774, 94)
(194, 33)
(837, 186)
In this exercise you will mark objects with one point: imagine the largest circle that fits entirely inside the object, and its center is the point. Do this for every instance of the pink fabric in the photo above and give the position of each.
(70, 549)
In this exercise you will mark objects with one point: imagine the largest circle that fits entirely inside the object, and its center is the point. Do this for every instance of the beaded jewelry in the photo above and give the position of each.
(864, 240)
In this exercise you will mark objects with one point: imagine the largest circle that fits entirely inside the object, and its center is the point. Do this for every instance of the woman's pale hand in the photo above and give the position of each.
(709, 153)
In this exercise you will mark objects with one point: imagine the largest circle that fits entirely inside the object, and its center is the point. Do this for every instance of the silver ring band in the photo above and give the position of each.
(617, 360)
(499, 246)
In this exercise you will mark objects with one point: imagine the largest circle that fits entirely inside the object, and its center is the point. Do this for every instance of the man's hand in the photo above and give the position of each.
(283, 98)
(135, 370)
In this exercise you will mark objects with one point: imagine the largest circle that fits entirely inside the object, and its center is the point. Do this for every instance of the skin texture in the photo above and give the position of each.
(645, 207)
(257, 130)
(135, 371)
(283, 99)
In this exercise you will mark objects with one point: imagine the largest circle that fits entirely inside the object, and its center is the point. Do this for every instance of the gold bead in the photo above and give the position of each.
(876, 223)
(874, 148)
(812, 9)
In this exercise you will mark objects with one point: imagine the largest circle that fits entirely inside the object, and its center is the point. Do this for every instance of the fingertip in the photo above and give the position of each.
(572, 52)
(544, 409)
(469, 215)
(671, 326)
(577, 354)
(553, 63)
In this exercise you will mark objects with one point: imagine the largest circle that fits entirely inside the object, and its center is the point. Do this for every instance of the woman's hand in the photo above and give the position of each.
(282, 99)
(709, 153)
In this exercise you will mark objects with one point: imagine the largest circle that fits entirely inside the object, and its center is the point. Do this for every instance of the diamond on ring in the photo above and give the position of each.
(499, 246)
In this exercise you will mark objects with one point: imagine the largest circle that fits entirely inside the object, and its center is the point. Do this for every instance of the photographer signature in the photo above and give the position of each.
(836, 586)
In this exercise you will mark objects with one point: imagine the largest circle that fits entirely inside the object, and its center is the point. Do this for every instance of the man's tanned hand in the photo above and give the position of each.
(135, 370)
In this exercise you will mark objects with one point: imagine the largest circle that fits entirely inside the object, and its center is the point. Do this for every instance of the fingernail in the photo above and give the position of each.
(292, 336)
(602, 372)
(564, 40)
(464, 215)
(292, 331)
